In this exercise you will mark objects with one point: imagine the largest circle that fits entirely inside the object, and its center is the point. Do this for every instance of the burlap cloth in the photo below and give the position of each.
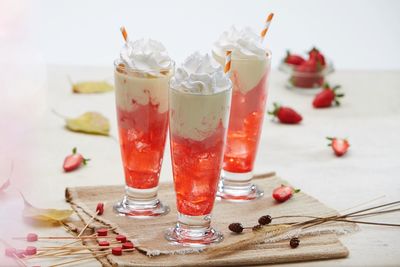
(148, 234)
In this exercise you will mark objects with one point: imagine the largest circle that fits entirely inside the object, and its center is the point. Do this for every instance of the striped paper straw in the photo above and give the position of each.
(124, 33)
(266, 26)
(227, 68)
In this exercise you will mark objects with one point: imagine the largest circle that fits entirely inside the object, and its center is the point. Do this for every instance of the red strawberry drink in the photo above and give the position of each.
(250, 72)
(199, 110)
(142, 82)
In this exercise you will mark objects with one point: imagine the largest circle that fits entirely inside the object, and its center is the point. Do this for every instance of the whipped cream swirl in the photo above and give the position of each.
(146, 55)
(244, 44)
(200, 74)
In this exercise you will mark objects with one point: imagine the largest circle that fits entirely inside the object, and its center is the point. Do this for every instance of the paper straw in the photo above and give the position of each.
(266, 26)
(124, 33)
(227, 68)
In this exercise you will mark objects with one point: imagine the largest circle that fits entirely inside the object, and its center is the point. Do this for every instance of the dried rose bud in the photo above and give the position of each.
(294, 242)
(264, 220)
(236, 227)
(257, 227)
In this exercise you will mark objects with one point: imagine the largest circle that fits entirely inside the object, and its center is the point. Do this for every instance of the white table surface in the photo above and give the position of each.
(369, 117)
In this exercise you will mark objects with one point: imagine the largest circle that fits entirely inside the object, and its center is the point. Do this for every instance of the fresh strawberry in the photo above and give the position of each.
(308, 74)
(293, 59)
(339, 146)
(74, 161)
(283, 193)
(285, 114)
(316, 55)
(327, 96)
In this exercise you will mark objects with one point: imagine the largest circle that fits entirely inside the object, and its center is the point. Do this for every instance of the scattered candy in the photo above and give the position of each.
(294, 242)
(102, 232)
(117, 251)
(127, 245)
(121, 238)
(104, 243)
(100, 208)
(30, 251)
(10, 252)
(32, 237)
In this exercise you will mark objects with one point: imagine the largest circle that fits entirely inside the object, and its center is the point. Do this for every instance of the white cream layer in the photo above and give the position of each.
(195, 116)
(142, 90)
(248, 72)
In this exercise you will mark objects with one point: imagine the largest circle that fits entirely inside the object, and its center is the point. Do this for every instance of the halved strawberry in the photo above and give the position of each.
(283, 193)
(327, 96)
(339, 145)
(74, 161)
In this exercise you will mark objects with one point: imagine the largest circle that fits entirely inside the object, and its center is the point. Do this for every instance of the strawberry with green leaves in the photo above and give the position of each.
(285, 114)
(327, 97)
(293, 59)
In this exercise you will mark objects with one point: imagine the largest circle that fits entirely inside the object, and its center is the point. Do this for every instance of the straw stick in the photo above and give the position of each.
(228, 60)
(124, 33)
(266, 26)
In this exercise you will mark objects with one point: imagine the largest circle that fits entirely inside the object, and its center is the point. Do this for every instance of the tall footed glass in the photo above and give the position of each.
(142, 113)
(198, 125)
(250, 88)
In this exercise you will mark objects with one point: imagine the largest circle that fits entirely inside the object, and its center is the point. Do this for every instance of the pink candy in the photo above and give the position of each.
(32, 237)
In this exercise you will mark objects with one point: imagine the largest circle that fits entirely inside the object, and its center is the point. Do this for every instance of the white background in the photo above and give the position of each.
(355, 34)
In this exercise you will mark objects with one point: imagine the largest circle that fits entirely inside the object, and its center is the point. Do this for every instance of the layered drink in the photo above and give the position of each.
(250, 72)
(200, 99)
(142, 75)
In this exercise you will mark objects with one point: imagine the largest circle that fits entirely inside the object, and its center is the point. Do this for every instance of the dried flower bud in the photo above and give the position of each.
(236, 227)
(294, 242)
(257, 227)
(266, 219)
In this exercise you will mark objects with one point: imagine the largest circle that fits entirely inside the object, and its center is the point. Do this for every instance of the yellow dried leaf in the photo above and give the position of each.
(92, 87)
(89, 122)
(46, 215)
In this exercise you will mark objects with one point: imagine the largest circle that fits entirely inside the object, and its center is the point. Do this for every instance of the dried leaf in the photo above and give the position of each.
(92, 87)
(89, 122)
(45, 215)
(5, 185)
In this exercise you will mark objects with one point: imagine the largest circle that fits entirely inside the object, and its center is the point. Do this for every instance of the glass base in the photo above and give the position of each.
(238, 187)
(193, 231)
(140, 203)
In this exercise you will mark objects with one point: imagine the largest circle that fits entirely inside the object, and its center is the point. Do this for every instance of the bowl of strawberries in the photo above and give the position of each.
(307, 72)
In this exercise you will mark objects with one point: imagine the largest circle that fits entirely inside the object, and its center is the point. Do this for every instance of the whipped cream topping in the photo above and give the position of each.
(244, 44)
(146, 55)
(200, 74)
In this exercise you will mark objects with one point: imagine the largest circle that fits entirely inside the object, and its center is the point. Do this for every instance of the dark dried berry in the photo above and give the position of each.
(294, 242)
(236, 227)
(257, 227)
(266, 219)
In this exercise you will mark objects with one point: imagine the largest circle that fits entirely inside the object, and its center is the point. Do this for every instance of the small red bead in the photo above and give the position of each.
(121, 238)
(102, 232)
(117, 251)
(30, 251)
(10, 252)
(127, 245)
(104, 243)
(100, 208)
(32, 237)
